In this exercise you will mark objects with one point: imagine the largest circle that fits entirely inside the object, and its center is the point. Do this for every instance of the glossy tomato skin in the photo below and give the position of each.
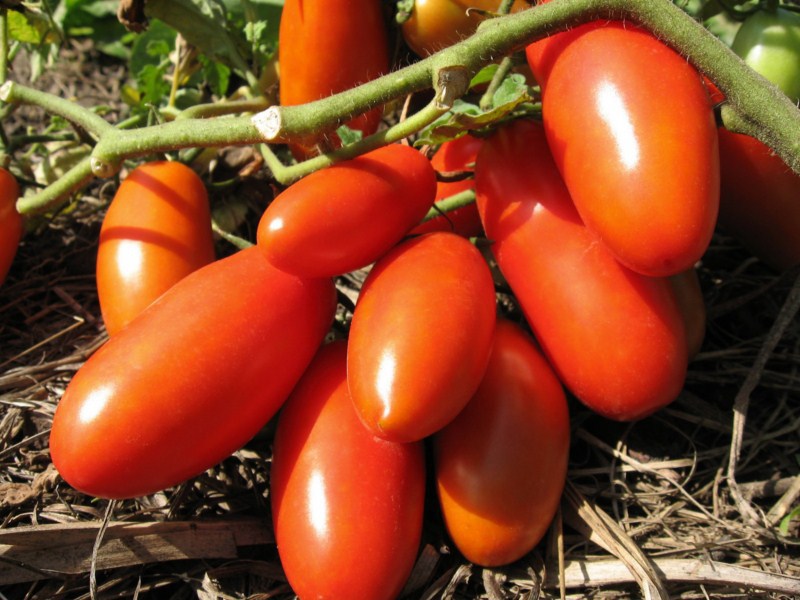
(631, 129)
(759, 203)
(11, 224)
(156, 231)
(455, 155)
(420, 336)
(769, 42)
(309, 229)
(501, 464)
(615, 337)
(324, 50)
(191, 379)
(347, 506)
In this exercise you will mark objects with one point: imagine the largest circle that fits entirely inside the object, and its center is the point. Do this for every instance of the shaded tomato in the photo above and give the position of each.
(329, 46)
(347, 506)
(437, 24)
(420, 336)
(632, 131)
(156, 231)
(191, 379)
(346, 216)
(689, 295)
(769, 42)
(10, 222)
(502, 462)
(456, 155)
(760, 202)
(615, 337)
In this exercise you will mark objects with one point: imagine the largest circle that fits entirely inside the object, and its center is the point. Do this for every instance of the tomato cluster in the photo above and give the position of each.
(595, 216)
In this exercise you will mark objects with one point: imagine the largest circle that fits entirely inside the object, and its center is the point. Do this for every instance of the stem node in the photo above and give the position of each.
(103, 168)
(269, 123)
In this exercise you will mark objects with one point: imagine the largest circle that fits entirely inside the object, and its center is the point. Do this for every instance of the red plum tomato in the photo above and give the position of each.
(502, 462)
(11, 224)
(346, 216)
(156, 231)
(347, 506)
(191, 379)
(420, 336)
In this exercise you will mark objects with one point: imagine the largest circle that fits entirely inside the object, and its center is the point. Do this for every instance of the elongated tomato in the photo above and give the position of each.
(501, 464)
(615, 338)
(329, 46)
(347, 506)
(10, 222)
(346, 216)
(632, 131)
(156, 231)
(455, 155)
(191, 379)
(421, 336)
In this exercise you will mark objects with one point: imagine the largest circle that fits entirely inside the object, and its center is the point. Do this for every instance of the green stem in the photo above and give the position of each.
(3, 45)
(287, 174)
(217, 109)
(16, 93)
(497, 79)
(450, 204)
(235, 240)
(71, 181)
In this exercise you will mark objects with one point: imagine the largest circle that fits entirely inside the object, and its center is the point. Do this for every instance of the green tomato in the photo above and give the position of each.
(769, 42)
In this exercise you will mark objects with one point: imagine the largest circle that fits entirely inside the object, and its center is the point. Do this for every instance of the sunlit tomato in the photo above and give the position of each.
(455, 155)
(347, 506)
(501, 464)
(631, 129)
(191, 379)
(346, 216)
(421, 336)
(769, 42)
(10, 222)
(760, 203)
(437, 24)
(324, 50)
(689, 294)
(615, 338)
(157, 230)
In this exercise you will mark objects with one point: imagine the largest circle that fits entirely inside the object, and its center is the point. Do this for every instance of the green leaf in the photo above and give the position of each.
(217, 75)
(484, 76)
(152, 84)
(157, 32)
(348, 136)
(786, 521)
(31, 28)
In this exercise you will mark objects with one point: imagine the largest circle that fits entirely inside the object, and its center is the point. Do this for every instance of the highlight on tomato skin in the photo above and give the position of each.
(633, 134)
(11, 222)
(501, 463)
(420, 336)
(615, 338)
(156, 231)
(455, 155)
(346, 216)
(347, 506)
(191, 379)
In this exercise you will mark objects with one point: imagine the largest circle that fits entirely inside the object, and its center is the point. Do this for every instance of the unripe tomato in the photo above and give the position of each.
(769, 42)
(347, 506)
(456, 155)
(309, 229)
(329, 46)
(420, 336)
(501, 464)
(632, 131)
(191, 379)
(10, 222)
(156, 231)
(615, 337)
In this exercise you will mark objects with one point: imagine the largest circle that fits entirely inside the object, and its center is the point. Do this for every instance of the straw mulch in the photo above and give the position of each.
(652, 509)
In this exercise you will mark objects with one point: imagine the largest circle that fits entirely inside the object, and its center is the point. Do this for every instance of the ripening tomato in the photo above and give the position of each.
(769, 42)
(156, 231)
(632, 131)
(689, 295)
(437, 24)
(10, 222)
(347, 506)
(420, 336)
(455, 155)
(329, 46)
(191, 379)
(615, 337)
(309, 229)
(501, 464)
